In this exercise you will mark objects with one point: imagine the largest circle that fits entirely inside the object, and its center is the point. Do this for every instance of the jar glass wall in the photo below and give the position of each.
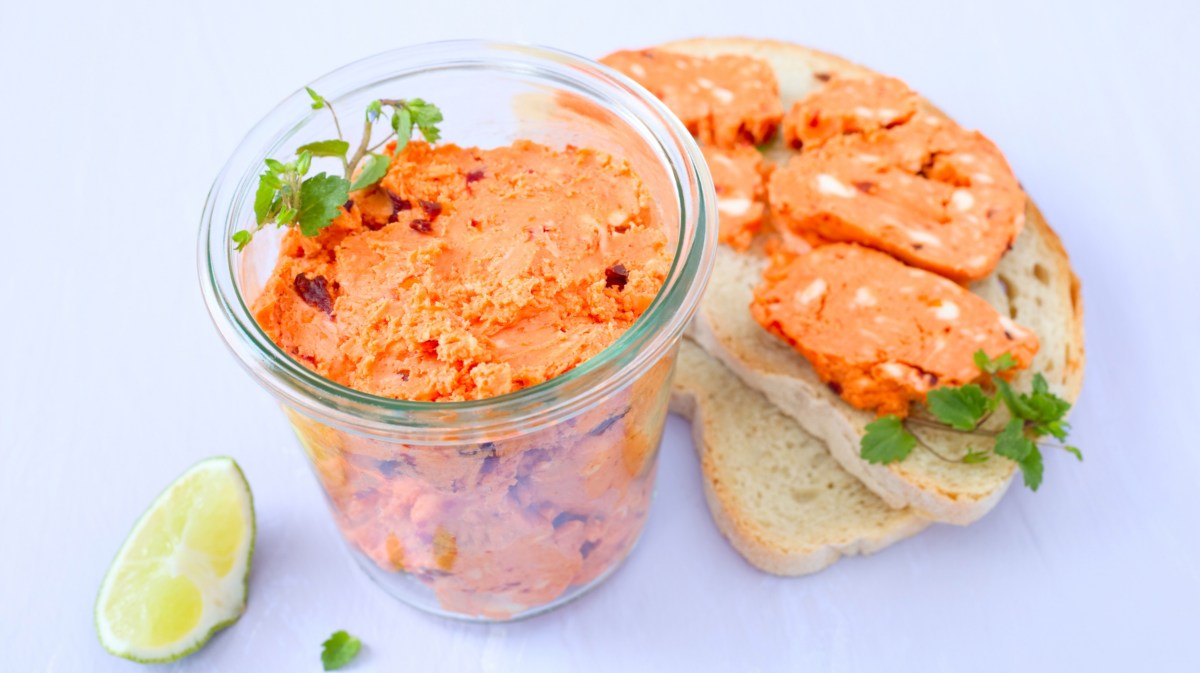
(501, 507)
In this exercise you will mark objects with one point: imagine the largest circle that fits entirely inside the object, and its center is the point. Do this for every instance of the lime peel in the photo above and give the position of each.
(181, 574)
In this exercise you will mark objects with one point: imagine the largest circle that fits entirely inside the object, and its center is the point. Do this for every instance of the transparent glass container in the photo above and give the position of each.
(507, 506)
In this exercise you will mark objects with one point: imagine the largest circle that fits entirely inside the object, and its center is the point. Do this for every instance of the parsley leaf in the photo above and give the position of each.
(303, 161)
(1002, 363)
(1042, 408)
(1074, 451)
(375, 168)
(338, 650)
(268, 187)
(285, 198)
(1017, 404)
(1046, 407)
(326, 148)
(426, 116)
(961, 407)
(318, 100)
(374, 109)
(321, 198)
(886, 441)
(1031, 468)
(242, 238)
(402, 124)
(1012, 442)
(1039, 384)
(1058, 429)
(974, 457)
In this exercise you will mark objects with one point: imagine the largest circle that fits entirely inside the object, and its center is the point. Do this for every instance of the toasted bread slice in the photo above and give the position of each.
(1033, 284)
(774, 491)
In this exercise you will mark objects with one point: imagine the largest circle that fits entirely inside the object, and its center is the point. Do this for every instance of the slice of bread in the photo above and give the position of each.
(774, 491)
(1033, 284)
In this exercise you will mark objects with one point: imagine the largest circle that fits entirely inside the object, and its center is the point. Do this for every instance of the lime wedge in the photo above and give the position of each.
(181, 574)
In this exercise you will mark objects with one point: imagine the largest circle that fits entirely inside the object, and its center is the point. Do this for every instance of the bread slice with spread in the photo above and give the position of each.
(1000, 248)
(774, 491)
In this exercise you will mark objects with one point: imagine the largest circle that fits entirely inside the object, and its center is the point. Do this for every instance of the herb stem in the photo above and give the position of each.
(942, 426)
(383, 142)
(361, 151)
(336, 124)
(930, 449)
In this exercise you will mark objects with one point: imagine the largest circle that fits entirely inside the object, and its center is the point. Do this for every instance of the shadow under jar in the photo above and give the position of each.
(507, 506)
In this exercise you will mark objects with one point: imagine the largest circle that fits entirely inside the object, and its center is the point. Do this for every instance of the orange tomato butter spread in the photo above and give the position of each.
(723, 100)
(737, 175)
(470, 273)
(730, 103)
(875, 169)
(886, 208)
(464, 274)
(882, 333)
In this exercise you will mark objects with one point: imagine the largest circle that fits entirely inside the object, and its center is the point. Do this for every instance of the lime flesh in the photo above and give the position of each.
(181, 574)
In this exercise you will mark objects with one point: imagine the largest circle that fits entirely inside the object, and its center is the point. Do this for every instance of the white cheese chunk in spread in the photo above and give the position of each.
(924, 237)
(813, 291)
(863, 297)
(946, 310)
(827, 184)
(962, 200)
(735, 206)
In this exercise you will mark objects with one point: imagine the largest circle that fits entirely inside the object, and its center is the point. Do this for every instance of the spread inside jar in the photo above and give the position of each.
(467, 273)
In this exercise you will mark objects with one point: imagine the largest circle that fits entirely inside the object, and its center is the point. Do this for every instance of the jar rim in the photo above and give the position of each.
(650, 337)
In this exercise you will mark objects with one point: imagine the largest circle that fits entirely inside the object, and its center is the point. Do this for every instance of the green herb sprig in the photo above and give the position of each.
(286, 196)
(1034, 417)
(338, 650)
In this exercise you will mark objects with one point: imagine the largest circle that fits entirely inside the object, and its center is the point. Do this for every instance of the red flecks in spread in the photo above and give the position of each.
(616, 276)
(314, 292)
(399, 204)
(421, 225)
(431, 208)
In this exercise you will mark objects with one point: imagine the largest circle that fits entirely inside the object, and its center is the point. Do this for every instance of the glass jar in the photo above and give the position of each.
(507, 506)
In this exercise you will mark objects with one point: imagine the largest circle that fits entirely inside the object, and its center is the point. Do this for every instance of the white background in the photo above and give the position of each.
(117, 117)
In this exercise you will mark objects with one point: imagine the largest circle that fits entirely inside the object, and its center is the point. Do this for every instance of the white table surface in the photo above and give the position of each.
(116, 119)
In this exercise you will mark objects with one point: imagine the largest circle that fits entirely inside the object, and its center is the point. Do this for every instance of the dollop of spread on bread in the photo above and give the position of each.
(847, 105)
(723, 100)
(738, 175)
(875, 170)
(879, 332)
(883, 208)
